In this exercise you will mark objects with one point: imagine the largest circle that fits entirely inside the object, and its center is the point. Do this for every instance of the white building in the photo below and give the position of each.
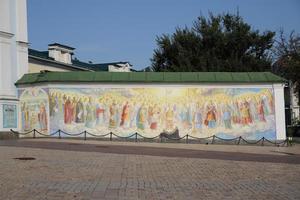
(60, 57)
(13, 58)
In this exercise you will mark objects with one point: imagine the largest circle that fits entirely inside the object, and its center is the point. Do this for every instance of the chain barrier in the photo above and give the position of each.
(25, 133)
(46, 134)
(161, 136)
(91, 134)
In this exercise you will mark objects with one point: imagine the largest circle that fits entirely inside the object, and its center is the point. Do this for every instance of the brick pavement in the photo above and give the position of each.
(61, 174)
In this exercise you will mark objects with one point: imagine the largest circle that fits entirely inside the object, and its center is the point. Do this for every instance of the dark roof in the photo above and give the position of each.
(61, 45)
(151, 77)
(40, 54)
(75, 62)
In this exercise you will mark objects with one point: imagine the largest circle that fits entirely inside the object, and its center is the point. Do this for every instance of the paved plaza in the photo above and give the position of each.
(74, 169)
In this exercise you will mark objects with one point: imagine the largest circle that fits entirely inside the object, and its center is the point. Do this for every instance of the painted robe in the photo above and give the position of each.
(112, 116)
(125, 117)
(245, 113)
(198, 119)
(260, 111)
(170, 119)
(68, 112)
(141, 118)
(100, 114)
(79, 118)
(42, 117)
(210, 120)
(227, 118)
(25, 116)
(90, 115)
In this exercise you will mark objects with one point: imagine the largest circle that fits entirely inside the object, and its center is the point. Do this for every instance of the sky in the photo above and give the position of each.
(125, 30)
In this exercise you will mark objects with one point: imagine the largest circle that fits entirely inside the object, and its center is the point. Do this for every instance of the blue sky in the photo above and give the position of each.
(125, 30)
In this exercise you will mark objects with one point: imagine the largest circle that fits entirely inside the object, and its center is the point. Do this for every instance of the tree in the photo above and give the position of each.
(219, 43)
(287, 55)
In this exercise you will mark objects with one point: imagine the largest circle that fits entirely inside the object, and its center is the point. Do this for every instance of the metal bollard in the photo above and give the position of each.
(136, 134)
(33, 133)
(239, 140)
(110, 137)
(84, 135)
(213, 140)
(59, 135)
(187, 138)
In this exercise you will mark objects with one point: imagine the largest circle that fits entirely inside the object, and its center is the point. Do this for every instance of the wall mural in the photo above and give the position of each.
(34, 110)
(200, 112)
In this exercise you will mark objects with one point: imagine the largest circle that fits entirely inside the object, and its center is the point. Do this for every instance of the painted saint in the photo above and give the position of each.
(68, 111)
(79, 112)
(210, 120)
(125, 117)
(90, 118)
(227, 117)
(245, 113)
(42, 117)
(170, 119)
(113, 116)
(141, 118)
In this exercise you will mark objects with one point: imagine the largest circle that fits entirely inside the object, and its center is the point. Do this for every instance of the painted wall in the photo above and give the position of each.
(199, 111)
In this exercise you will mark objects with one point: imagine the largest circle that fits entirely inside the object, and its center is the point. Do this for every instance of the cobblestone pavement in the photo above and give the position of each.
(82, 174)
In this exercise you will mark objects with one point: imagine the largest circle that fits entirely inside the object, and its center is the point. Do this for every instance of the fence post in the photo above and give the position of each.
(263, 139)
(59, 136)
(187, 138)
(110, 137)
(33, 133)
(213, 140)
(84, 135)
(136, 134)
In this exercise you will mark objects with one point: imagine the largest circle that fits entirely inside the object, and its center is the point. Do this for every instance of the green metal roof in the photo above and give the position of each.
(150, 77)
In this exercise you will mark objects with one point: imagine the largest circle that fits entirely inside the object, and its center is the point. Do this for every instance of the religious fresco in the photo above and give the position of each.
(200, 112)
(34, 110)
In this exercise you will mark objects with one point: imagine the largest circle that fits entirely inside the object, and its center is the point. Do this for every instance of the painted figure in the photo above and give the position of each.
(245, 113)
(197, 119)
(68, 111)
(42, 117)
(79, 118)
(227, 117)
(141, 118)
(260, 111)
(170, 119)
(125, 117)
(25, 117)
(210, 120)
(113, 116)
(90, 114)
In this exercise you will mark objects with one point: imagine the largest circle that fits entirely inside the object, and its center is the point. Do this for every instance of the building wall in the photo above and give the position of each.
(251, 111)
(13, 58)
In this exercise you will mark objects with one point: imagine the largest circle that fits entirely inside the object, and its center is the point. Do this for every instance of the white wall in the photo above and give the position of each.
(279, 111)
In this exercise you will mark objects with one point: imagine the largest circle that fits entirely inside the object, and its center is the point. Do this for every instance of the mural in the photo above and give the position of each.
(200, 112)
(34, 109)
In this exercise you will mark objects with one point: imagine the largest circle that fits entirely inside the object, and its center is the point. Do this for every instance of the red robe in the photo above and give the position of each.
(68, 112)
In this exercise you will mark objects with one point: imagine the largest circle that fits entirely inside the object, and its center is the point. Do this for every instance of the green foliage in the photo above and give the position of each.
(287, 53)
(219, 43)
